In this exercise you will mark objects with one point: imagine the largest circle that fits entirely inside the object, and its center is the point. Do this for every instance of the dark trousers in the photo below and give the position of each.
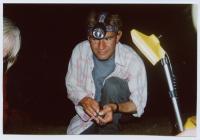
(115, 90)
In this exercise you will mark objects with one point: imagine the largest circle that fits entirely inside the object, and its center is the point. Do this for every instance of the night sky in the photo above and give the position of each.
(36, 83)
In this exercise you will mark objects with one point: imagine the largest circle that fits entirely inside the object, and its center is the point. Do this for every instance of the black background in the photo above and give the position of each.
(36, 83)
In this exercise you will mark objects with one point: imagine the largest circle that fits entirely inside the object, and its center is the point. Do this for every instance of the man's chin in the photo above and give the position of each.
(102, 58)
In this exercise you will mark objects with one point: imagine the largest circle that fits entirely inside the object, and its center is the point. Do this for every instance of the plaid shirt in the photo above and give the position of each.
(79, 80)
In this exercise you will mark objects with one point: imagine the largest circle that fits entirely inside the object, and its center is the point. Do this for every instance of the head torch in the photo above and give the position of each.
(101, 28)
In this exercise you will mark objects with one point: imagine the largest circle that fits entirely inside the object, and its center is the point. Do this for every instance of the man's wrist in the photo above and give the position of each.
(116, 107)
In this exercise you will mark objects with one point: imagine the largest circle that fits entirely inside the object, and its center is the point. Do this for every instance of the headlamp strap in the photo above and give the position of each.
(102, 18)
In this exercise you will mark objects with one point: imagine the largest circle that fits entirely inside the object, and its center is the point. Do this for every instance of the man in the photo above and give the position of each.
(105, 78)
(11, 42)
(11, 47)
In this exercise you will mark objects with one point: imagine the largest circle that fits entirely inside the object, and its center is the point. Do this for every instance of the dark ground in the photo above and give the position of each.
(146, 125)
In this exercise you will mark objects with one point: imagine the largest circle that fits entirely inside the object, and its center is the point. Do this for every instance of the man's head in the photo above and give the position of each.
(104, 32)
(11, 42)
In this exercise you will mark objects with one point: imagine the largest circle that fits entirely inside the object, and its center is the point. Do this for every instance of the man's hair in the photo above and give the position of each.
(111, 19)
(11, 37)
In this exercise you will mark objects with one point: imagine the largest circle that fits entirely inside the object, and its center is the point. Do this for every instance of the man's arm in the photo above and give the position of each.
(126, 107)
(75, 83)
(106, 115)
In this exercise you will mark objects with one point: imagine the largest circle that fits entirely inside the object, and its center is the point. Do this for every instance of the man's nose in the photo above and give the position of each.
(101, 44)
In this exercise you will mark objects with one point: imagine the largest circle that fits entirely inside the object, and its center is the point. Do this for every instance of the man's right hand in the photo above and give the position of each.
(91, 107)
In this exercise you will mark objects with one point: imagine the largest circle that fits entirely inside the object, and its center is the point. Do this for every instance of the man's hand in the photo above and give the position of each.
(106, 115)
(91, 107)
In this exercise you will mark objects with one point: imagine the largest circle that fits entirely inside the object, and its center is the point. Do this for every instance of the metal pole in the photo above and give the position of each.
(170, 79)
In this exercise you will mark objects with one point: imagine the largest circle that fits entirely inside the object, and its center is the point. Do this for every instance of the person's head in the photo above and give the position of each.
(11, 42)
(104, 32)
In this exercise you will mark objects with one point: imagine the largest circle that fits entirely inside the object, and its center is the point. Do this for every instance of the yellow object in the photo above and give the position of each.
(148, 45)
(190, 122)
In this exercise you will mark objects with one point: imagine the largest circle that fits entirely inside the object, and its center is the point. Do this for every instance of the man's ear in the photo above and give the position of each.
(119, 35)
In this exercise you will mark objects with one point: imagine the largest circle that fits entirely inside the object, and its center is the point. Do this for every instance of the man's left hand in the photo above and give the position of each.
(106, 114)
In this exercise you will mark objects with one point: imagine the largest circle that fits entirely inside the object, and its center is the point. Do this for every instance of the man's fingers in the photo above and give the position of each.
(91, 105)
(108, 118)
(104, 111)
(102, 120)
(95, 119)
(90, 112)
(95, 106)
(105, 115)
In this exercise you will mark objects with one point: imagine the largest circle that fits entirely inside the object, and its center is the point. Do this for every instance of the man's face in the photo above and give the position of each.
(105, 48)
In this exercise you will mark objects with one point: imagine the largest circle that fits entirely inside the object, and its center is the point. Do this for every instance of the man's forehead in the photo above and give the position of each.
(110, 34)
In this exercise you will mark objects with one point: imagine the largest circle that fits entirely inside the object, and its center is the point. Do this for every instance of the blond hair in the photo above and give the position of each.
(11, 37)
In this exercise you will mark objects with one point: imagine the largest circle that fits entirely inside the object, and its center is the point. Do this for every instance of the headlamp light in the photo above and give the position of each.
(100, 29)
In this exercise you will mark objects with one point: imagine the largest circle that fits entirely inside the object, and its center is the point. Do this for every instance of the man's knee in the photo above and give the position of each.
(111, 86)
(115, 87)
